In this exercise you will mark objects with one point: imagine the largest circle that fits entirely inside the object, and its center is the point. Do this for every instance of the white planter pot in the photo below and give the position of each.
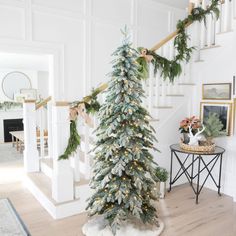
(161, 187)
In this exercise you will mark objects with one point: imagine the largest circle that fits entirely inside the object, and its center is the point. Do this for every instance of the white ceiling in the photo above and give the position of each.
(24, 61)
(175, 3)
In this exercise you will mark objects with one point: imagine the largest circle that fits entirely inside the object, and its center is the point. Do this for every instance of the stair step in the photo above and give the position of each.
(210, 47)
(199, 61)
(154, 120)
(40, 186)
(175, 95)
(44, 183)
(163, 107)
(187, 84)
(225, 32)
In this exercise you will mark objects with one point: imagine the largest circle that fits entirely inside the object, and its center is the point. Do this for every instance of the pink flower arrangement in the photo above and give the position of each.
(193, 122)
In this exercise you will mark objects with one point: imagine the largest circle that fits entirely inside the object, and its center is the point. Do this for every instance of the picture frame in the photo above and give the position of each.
(217, 91)
(31, 94)
(224, 111)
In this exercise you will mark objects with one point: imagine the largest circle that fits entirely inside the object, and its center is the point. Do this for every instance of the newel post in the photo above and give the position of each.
(62, 179)
(31, 155)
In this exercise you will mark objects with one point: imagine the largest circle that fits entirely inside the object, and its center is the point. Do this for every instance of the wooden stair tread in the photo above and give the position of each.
(163, 107)
(175, 95)
(199, 61)
(154, 120)
(187, 84)
(225, 32)
(210, 47)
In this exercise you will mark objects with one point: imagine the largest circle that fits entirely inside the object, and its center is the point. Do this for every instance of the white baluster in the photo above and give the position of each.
(76, 159)
(157, 90)
(230, 15)
(223, 17)
(41, 131)
(62, 177)
(234, 9)
(49, 128)
(86, 151)
(203, 33)
(31, 155)
(150, 88)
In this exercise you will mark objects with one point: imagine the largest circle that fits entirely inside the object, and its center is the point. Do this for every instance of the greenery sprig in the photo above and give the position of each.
(170, 69)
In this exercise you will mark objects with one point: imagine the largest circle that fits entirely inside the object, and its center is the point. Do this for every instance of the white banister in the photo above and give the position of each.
(86, 153)
(49, 128)
(41, 131)
(62, 177)
(150, 88)
(234, 9)
(31, 155)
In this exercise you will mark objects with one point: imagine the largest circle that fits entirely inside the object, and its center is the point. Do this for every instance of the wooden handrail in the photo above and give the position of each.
(43, 103)
(176, 32)
(168, 38)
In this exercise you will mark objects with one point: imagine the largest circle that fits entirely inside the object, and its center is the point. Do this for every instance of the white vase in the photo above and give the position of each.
(161, 187)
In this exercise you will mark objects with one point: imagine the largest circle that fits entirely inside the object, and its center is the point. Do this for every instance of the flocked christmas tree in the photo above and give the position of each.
(124, 171)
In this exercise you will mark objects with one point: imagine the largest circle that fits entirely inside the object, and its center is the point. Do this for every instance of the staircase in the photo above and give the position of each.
(62, 186)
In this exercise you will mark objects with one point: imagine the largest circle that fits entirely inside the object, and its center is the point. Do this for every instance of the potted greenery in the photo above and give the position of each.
(213, 128)
(162, 175)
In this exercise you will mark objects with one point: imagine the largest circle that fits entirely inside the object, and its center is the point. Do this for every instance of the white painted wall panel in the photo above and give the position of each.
(105, 40)
(69, 5)
(11, 22)
(70, 32)
(112, 9)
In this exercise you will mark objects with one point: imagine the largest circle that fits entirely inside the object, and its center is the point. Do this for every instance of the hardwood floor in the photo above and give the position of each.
(213, 216)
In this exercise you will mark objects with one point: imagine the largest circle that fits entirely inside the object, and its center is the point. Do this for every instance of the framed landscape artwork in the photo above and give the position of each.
(221, 91)
(224, 111)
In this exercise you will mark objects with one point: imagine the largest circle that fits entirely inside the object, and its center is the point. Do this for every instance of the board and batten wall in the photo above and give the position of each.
(82, 33)
(219, 66)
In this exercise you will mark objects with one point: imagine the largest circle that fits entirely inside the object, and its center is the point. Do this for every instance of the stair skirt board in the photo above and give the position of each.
(46, 168)
(61, 210)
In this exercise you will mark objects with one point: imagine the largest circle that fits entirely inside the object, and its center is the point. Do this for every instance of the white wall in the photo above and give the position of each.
(86, 33)
(43, 77)
(219, 66)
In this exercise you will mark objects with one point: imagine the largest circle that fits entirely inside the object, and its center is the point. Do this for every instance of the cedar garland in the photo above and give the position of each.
(172, 68)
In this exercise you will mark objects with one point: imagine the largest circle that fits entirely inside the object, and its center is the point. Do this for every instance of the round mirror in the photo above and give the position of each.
(13, 82)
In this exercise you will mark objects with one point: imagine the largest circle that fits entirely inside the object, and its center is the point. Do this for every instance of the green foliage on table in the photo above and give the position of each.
(162, 174)
(124, 174)
(213, 125)
(170, 69)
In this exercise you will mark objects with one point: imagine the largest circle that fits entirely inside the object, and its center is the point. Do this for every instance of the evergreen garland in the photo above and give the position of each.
(92, 106)
(172, 68)
(73, 142)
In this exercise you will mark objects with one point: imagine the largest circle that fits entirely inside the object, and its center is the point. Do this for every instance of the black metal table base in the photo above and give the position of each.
(201, 165)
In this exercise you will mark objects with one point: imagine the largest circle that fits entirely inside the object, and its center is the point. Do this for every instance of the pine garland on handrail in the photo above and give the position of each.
(88, 105)
(172, 68)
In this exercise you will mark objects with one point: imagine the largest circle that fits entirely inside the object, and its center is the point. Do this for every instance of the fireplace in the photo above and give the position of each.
(11, 125)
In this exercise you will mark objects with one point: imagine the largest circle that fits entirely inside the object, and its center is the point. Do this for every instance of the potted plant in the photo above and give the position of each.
(162, 175)
(194, 123)
(213, 128)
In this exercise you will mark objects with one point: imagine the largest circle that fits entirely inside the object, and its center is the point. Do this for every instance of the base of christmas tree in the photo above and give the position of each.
(97, 227)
